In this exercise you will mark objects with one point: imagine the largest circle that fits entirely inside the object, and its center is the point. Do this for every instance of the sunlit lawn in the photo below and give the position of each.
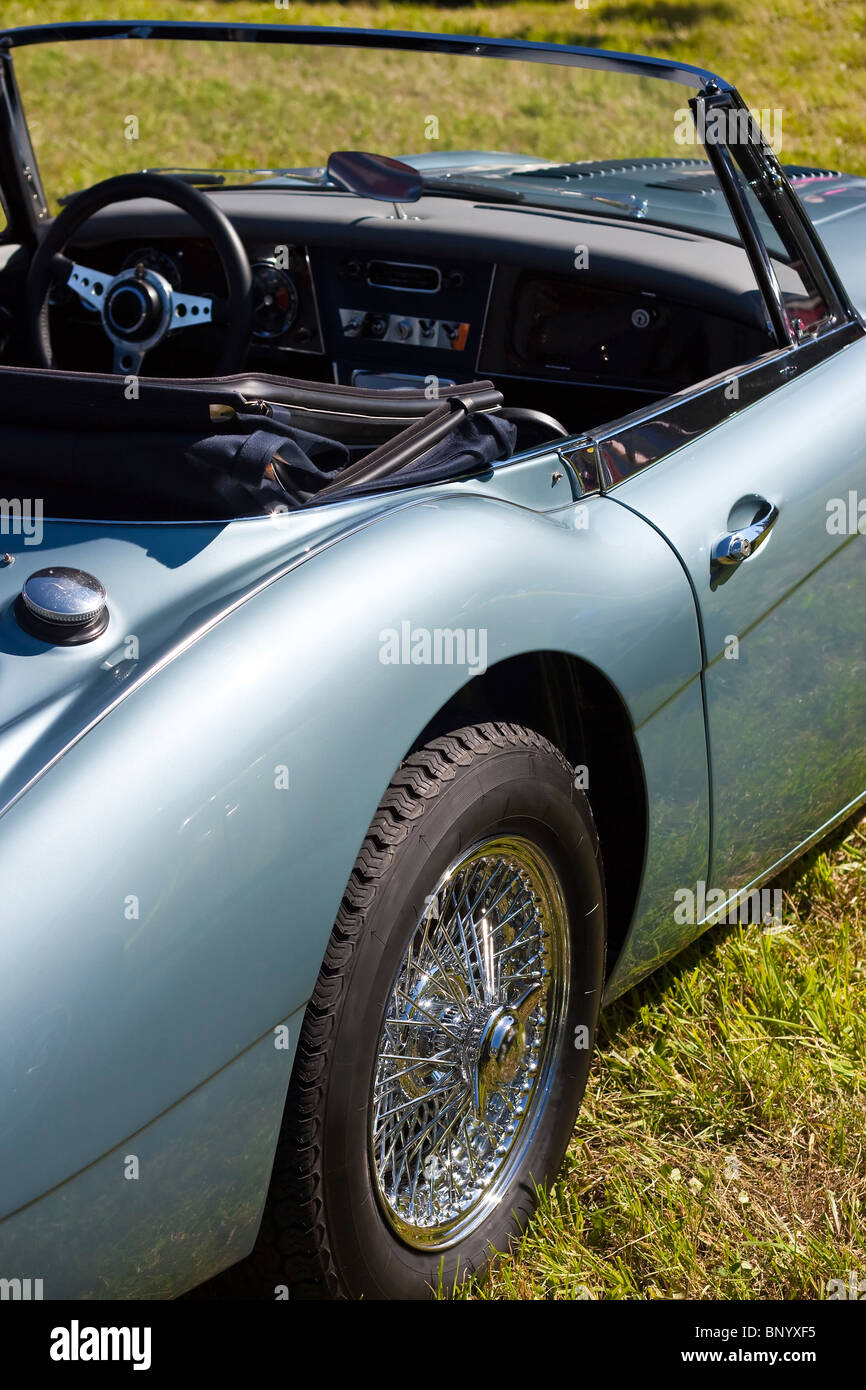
(802, 57)
(721, 1149)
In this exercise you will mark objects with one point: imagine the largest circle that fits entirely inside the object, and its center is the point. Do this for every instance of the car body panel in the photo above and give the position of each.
(673, 752)
(836, 204)
(786, 700)
(207, 922)
(173, 1204)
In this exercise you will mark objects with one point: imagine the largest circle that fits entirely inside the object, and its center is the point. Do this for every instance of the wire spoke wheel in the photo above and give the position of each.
(468, 1045)
(441, 1061)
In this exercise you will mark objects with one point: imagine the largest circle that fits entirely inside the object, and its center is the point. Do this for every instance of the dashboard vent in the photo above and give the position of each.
(403, 275)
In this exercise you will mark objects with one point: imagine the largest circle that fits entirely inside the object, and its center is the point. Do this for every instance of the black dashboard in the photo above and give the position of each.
(369, 319)
(457, 293)
(387, 318)
(558, 328)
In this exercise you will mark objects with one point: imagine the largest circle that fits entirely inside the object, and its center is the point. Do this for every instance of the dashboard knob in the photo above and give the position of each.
(404, 328)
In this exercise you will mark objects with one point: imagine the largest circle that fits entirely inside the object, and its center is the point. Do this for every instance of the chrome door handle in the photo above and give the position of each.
(736, 546)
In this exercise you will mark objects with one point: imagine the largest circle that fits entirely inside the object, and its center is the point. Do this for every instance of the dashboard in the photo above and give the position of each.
(397, 319)
(557, 327)
(456, 293)
(371, 319)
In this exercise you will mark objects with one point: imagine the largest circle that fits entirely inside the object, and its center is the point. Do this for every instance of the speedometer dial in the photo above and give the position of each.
(275, 301)
(152, 259)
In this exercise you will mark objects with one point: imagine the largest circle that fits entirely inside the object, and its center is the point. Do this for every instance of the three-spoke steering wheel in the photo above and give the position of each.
(139, 307)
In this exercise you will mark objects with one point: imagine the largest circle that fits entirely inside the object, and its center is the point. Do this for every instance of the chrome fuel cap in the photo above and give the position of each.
(63, 605)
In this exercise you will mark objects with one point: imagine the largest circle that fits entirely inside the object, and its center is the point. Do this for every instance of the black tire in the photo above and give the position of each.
(323, 1232)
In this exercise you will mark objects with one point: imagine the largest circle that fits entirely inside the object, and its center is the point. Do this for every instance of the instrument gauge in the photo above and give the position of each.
(152, 259)
(275, 301)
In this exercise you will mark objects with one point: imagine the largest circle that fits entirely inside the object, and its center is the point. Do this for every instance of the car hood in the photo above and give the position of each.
(166, 584)
(836, 204)
(681, 192)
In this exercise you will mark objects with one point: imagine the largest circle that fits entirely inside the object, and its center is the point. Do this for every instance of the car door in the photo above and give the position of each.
(784, 626)
(755, 479)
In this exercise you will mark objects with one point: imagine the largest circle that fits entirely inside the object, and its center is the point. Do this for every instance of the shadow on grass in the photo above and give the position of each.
(683, 16)
(622, 1012)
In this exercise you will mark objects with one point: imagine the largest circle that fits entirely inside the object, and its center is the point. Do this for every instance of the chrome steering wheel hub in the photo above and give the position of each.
(136, 313)
(138, 307)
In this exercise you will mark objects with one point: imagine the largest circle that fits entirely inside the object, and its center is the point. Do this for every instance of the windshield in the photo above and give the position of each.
(102, 107)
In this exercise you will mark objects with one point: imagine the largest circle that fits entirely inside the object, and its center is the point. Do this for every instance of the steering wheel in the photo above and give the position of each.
(138, 306)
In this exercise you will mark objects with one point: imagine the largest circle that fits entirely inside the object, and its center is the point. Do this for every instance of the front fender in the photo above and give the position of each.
(172, 882)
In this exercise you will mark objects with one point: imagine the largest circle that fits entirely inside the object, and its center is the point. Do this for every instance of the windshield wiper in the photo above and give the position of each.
(204, 177)
(492, 192)
(318, 178)
(630, 203)
(214, 177)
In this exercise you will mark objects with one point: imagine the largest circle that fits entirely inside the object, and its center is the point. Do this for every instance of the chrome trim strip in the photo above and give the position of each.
(706, 405)
(521, 50)
(786, 859)
(494, 268)
(320, 352)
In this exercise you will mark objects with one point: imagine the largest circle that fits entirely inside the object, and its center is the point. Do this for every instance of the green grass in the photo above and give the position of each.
(803, 57)
(720, 1150)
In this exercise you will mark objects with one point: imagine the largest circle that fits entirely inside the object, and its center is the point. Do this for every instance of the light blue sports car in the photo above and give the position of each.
(432, 592)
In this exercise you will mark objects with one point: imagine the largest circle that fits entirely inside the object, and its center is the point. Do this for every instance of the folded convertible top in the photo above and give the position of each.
(102, 399)
(206, 450)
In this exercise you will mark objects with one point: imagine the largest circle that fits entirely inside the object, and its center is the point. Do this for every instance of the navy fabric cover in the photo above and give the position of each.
(239, 455)
(471, 447)
(167, 475)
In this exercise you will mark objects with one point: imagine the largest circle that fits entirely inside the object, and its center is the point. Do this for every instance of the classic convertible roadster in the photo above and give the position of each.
(432, 504)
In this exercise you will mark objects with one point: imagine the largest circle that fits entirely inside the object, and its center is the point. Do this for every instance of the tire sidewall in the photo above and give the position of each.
(514, 791)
